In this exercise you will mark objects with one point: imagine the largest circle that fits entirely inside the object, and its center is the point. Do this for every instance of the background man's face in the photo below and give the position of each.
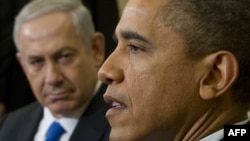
(61, 72)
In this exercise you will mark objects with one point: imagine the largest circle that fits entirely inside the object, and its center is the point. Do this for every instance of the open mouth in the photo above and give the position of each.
(114, 103)
(117, 105)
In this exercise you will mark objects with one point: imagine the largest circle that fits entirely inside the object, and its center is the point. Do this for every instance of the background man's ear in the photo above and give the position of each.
(98, 48)
(20, 60)
(222, 70)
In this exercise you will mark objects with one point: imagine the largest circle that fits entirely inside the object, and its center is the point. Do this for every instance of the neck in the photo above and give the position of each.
(214, 119)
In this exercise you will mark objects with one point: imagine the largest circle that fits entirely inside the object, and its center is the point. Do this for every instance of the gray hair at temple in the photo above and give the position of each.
(208, 26)
(80, 15)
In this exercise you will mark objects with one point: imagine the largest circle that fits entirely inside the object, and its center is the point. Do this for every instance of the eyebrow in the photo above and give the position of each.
(133, 35)
(56, 53)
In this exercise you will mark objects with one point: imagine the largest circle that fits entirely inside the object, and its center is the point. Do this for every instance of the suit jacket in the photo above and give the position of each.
(21, 125)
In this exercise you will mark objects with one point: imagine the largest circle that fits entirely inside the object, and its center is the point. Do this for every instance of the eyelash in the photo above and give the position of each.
(65, 55)
(34, 62)
(134, 48)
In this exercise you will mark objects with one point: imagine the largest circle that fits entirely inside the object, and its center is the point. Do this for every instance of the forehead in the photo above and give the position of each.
(144, 17)
(49, 33)
(47, 25)
(143, 14)
(146, 9)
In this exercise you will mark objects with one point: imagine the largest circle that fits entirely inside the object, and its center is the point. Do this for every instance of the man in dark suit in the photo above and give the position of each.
(15, 94)
(60, 53)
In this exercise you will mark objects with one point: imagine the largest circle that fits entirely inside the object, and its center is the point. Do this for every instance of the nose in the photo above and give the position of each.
(53, 75)
(111, 71)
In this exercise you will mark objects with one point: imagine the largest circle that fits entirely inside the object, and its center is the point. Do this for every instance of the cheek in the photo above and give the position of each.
(76, 73)
(156, 87)
(82, 78)
(148, 101)
(144, 88)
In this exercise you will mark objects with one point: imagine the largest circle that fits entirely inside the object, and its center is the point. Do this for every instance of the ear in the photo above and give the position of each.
(221, 70)
(98, 48)
(20, 60)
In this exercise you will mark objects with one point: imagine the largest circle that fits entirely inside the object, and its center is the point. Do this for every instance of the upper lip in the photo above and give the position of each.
(113, 102)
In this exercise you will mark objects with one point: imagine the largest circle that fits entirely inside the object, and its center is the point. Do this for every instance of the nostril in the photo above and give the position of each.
(111, 76)
(109, 81)
(105, 77)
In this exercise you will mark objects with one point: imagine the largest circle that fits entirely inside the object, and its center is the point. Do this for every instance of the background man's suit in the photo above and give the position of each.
(22, 125)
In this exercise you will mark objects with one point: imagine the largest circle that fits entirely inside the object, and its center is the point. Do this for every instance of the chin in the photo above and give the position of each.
(136, 134)
(61, 109)
(118, 135)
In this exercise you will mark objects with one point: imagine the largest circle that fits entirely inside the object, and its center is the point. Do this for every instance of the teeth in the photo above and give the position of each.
(116, 104)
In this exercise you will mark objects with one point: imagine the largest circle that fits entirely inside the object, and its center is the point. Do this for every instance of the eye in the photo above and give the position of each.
(35, 61)
(135, 48)
(65, 57)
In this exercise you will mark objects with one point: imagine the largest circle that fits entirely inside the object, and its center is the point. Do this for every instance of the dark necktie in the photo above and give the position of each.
(55, 132)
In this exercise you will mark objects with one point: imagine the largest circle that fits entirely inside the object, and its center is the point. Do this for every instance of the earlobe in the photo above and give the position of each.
(221, 72)
(98, 48)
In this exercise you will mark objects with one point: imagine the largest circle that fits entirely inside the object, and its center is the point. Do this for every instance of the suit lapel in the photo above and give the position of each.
(90, 128)
(93, 125)
(30, 128)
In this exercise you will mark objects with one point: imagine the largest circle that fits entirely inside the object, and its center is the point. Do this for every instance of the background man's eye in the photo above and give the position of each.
(65, 58)
(66, 55)
(37, 61)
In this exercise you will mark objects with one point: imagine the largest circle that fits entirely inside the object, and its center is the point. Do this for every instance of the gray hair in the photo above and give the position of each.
(80, 15)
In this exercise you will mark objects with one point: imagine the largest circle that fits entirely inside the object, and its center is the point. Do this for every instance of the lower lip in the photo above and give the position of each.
(114, 111)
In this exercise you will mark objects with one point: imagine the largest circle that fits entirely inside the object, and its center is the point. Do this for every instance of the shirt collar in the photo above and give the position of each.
(68, 123)
(220, 134)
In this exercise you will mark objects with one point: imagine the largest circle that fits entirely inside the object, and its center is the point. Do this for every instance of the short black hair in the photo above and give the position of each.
(209, 26)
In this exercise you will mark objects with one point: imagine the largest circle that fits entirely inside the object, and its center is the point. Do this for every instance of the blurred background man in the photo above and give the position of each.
(60, 53)
(15, 90)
